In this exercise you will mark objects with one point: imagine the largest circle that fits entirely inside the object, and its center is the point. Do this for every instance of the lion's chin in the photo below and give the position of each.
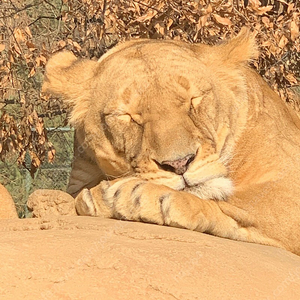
(219, 188)
(216, 189)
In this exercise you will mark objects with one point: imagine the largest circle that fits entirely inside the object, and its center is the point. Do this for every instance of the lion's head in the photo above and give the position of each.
(165, 111)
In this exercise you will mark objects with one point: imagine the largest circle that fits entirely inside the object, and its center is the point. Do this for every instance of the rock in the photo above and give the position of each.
(51, 202)
(94, 258)
(7, 205)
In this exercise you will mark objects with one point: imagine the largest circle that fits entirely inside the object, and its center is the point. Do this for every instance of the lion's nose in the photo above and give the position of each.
(178, 166)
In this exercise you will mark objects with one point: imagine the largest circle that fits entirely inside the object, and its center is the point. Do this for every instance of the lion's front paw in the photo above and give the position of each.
(84, 204)
(91, 202)
(137, 200)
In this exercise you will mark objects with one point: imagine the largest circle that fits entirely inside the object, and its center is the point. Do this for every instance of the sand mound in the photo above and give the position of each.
(7, 206)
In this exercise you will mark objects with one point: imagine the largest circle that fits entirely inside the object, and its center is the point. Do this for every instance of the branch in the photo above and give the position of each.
(104, 9)
(45, 17)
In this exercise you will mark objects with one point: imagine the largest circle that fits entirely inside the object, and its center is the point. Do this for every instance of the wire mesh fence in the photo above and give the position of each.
(20, 184)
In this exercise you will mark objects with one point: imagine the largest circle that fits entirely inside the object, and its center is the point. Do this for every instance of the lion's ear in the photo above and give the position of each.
(240, 49)
(69, 78)
(66, 76)
(57, 72)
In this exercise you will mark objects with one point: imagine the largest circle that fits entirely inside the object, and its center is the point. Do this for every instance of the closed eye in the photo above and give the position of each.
(195, 101)
(125, 118)
(136, 118)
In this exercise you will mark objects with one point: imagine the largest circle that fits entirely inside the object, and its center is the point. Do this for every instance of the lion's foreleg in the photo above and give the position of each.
(137, 200)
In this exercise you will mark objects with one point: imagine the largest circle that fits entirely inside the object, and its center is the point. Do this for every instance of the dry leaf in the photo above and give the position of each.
(19, 36)
(41, 60)
(32, 72)
(51, 154)
(294, 30)
(39, 128)
(254, 4)
(30, 46)
(283, 42)
(170, 22)
(30, 119)
(266, 43)
(16, 49)
(76, 46)
(62, 44)
(291, 78)
(209, 9)
(148, 16)
(6, 118)
(202, 21)
(11, 147)
(279, 19)
(160, 29)
(35, 161)
(266, 21)
(27, 30)
(221, 20)
(262, 10)
(282, 1)
(22, 99)
(2, 47)
(290, 7)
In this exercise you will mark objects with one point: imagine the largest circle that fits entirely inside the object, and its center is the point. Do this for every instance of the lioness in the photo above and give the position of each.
(185, 135)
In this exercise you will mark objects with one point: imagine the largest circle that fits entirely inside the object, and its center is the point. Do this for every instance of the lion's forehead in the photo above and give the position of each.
(146, 77)
(152, 61)
(153, 49)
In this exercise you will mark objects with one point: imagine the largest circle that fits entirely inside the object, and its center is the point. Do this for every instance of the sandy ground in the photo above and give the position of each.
(71, 257)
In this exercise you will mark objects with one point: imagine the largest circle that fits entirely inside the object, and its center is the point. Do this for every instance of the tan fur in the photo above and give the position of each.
(183, 135)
